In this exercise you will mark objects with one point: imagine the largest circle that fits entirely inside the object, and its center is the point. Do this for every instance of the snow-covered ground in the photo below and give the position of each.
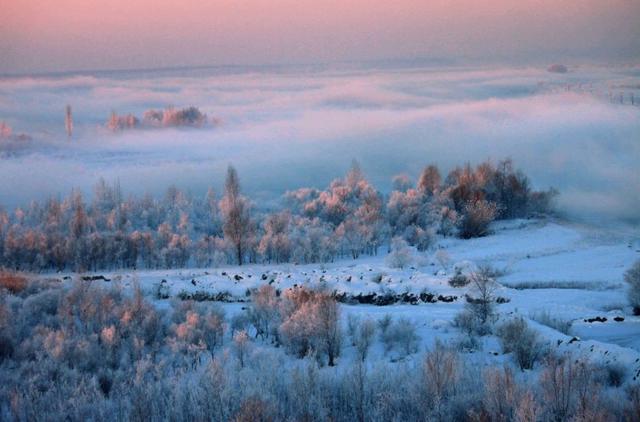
(572, 272)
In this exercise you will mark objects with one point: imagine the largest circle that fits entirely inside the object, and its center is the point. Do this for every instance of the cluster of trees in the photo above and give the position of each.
(86, 352)
(348, 219)
(169, 117)
(7, 134)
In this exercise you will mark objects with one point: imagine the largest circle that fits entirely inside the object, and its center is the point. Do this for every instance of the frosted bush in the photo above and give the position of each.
(518, 338)
(401, 336)
(400, 255)
(632, 277)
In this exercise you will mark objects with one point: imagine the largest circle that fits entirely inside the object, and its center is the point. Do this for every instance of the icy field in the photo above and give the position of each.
(571, 272)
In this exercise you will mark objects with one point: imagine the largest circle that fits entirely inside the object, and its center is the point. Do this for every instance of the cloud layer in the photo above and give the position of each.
(302, 127)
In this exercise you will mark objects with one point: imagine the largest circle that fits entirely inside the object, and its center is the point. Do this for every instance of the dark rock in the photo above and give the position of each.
(596, 319)
(95, 278)
(427, 297)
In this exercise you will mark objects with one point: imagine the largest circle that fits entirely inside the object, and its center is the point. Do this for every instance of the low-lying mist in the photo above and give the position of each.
(302, 127)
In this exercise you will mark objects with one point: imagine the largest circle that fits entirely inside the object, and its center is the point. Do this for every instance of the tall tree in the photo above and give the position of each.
(235, 208)
(68, 121)
(430, 180)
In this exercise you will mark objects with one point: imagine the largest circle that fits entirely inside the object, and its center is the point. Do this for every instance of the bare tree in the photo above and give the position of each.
(483, 304)
(241, 344)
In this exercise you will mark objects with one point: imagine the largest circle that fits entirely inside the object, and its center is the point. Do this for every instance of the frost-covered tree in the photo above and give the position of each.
(430, 180)
(400, 255)
(241, 344)
(275, 245)
(441, 369)
(171, 117)
(118, 123)
(482, 303)
(264, 313)
(312, 240)
(399, 335)
(401, 182)
(518, 338)
(476, 218)
(235, 209)
(363, 337)
(311, 323)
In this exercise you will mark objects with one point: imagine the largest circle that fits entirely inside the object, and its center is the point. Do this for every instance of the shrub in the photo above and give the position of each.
(632, 408)
(400, 255)
(467, 322)
(254, 409)
(401, 335)
(468, 343)
(558, 324)
(377, 277)
(239, 322)
(568, 388)
(311, 323)
(482, 303)
(632, 277)
(13, 282)
(441, 373)
(459, 280)
(363, 337)
(500, 394)
(384, 323)
(476, 218)
(443, 258)
(614, 374)
(241, 344)
(518, 338)
(264, 311)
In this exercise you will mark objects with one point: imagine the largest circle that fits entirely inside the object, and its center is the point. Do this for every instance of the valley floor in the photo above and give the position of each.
(544, 267)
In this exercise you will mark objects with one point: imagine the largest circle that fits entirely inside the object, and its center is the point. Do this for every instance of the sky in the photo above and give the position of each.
(39, 36)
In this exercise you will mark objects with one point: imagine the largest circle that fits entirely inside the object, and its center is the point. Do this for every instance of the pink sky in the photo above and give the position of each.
(43, 35)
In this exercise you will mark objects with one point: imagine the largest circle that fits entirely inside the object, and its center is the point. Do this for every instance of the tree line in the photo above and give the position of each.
(347, 219)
